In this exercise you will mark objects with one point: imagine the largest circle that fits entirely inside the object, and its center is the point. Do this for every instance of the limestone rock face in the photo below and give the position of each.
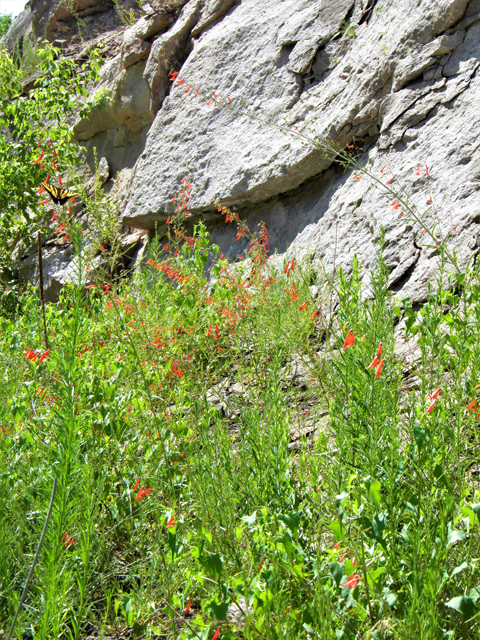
(397, 78)
(259, 84)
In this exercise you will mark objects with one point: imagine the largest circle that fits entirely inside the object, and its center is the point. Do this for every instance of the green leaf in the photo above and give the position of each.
(375, 492)
(138, 629)
(337, 571)
(460, 568)
(421, 435)
(441, 476)
(338, 529)
(464, 605)
(455, 536)
(390, 596)
(220, 610)
(250, 520)
(476, 510)
(373, 576)
(292, 520)
(213, 563)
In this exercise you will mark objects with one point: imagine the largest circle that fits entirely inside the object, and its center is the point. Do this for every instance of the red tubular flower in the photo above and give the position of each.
(304, 306)
(39, 158)
(315, 314)
(374, 363)
(216, 634)
(143, 492)
(44, 355)
(171, 522)
(349, 340)
(379, 369)
(352, 582)
(431, 406)
(187, 609)
(471, 406)
(434, 394)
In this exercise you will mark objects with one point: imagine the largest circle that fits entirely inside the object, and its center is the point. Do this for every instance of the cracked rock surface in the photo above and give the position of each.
(398, 79)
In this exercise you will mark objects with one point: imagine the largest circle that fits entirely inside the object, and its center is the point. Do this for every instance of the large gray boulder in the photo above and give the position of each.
(397, 77)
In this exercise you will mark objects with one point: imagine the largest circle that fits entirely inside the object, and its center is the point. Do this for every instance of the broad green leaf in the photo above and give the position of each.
(337, 572)
(338, 529)
(292, 520)
(375, 492)
(464, 605)
(460, 568)
(455, 536)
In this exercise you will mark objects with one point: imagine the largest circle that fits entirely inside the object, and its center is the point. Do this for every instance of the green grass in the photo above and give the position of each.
(367, 528)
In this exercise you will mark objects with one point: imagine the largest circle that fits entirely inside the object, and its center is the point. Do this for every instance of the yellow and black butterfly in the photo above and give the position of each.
(57, 194)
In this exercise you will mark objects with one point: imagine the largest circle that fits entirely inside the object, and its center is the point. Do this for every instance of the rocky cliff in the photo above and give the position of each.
(396, 78)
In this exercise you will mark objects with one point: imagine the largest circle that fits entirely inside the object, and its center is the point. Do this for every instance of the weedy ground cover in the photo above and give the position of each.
(165, 406)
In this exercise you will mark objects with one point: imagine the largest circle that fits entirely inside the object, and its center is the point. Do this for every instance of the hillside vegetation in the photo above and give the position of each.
(236, 450)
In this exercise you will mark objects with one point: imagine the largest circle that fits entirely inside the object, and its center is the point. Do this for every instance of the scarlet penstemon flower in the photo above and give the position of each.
(430, 408)
(374, 363)
(352, 582)
(349, 340)
(434, 394)
(143, 492)
(471, 406)
(379, 369)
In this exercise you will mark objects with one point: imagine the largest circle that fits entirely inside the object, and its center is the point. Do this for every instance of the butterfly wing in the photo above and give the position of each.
(59, 196)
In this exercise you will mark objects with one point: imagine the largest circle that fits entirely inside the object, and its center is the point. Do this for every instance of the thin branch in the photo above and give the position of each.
(35, 560)
(40, 285)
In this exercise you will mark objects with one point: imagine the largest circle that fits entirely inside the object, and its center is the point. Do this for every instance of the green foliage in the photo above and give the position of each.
(166, 408)
(127, 17)
(32, 128)
(231, 459)
(5, 22)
